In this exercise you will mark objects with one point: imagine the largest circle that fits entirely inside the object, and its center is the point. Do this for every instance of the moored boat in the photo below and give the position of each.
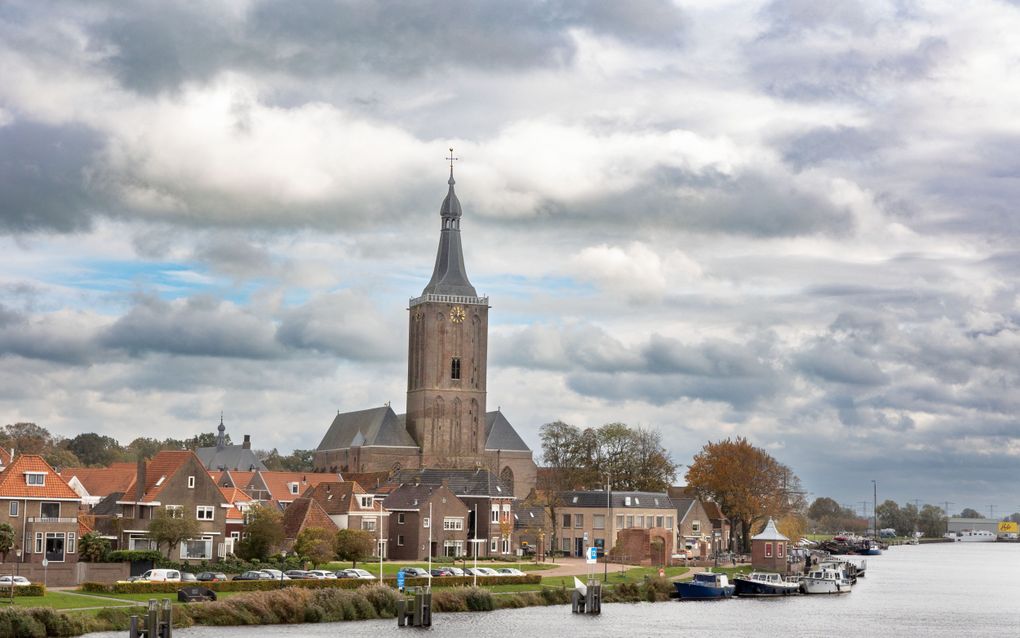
(704, 586)
(972, 536)
(764, 584)
(826, 580)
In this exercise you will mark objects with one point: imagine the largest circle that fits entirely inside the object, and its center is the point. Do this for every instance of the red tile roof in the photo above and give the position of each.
(234, 496)
(14, 484)
(304, 513)
(85, 524)
(338, 497)
(278, 483)
(103, 481)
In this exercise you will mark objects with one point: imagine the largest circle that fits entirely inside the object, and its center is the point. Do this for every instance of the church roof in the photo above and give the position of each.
(229, 457)
(375, 426)
(500, 435)
(449, 277)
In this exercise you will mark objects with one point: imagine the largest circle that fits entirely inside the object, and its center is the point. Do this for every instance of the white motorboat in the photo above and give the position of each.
(972, 536)
(827, 580)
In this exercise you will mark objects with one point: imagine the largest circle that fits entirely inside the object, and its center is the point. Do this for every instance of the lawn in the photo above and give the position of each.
(391, 569)
(61, 600)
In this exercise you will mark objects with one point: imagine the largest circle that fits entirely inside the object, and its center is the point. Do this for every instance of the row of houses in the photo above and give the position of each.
(412, 513)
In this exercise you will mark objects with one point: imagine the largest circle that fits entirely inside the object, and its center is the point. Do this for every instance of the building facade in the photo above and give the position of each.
(595, 518)
(424, 519)
(42, 508)
(446, 424)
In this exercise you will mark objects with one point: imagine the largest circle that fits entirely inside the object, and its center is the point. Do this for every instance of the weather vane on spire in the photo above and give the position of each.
(452, 159)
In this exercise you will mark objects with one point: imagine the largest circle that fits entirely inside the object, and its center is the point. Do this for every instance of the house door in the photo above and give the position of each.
(578, 547)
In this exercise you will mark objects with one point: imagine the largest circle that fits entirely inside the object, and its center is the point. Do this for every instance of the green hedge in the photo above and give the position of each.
(270, 585)
(23, 590)
(125, 555)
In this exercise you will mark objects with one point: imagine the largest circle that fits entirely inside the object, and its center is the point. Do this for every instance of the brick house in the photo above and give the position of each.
(595, 518)
(177, 481)
(42, 508)
(301, 514)
(349, 506)
(769, 549)
(410, 522)
(694, 529)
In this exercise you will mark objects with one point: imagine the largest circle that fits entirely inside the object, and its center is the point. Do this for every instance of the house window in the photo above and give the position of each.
(366, 501)
(453, 523)
(630, 522)
(651, 521)
(49, 510)
(565, 544)
(38, 542)
(578, 520)
(140, 542)
(368, 524)
(640, 521)
(779, 550)
(768, 550)
(400, 518)
(235, 535)
(35, 478)
(598, 521)
(659, 521)
(293, 487)
(506, 545)
(669, 522)
(453, 549)
(400, 540)
(494, 517)
(455, 369)
(494, 545)
(566, 520)
(696, 527)
(425, 522)
(191, 482)
(55, 547)
(205, 512)
(619, 521)
(197, 548)
(14, 508)
(175, 511)
(70, 542)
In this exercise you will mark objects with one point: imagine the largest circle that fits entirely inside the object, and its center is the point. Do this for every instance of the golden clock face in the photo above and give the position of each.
(457, 314)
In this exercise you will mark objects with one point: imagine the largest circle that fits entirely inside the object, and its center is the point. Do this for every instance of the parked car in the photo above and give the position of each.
(487, 571)
(474, 571)
(161, 575)
(441, 571)
(356, 573)
(19, 581)
(322, 573)
(413, 572)
(274, 574)
(457, 571)
(509, 571)
(211, 577)
(188, 577)
(299, 574)
(252, 575)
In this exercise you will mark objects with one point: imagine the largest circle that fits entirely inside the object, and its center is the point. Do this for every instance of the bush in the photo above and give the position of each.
(23, 590)
(126, 555)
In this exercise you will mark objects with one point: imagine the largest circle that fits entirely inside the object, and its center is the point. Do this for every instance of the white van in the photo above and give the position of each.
(161, 575)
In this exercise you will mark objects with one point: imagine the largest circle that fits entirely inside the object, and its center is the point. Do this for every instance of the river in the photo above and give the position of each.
(950, 589)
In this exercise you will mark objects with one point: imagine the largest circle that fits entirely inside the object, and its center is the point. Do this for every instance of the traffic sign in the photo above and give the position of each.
(592, 554)
(45, 562)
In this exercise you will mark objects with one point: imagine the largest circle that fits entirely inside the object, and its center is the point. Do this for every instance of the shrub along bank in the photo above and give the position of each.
(23, 590)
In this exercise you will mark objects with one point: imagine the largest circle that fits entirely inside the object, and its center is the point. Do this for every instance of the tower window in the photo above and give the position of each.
(455, 368)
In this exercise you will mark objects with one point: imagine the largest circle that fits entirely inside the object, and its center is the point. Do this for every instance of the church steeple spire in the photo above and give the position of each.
(449, 277)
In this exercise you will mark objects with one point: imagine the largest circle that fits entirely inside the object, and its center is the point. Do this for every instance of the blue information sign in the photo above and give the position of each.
(400, 580)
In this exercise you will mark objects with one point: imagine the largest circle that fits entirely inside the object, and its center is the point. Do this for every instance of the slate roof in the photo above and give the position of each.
(525, 517)
(14, 483)
(410, 497)
(770, 533)
(500, 435)
(375, 426)
(449, 277)
(229, 457)
(682, 505)
(713, 510)
(340, 497)
(463, 483)
(597, 498)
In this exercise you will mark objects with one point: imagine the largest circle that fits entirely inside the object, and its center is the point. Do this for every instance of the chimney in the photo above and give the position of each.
(247, 442)
(140, 479)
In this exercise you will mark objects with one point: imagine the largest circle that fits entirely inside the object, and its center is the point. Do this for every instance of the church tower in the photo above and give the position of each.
(446, 363)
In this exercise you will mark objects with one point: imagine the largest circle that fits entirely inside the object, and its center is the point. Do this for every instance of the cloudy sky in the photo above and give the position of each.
(794, 221)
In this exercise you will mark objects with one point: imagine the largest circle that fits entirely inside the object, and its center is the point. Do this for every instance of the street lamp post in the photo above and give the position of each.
(283, 563)
(609, 522)
(874, 510)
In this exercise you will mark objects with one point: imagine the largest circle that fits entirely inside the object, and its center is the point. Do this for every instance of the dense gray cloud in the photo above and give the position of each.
(789, 220)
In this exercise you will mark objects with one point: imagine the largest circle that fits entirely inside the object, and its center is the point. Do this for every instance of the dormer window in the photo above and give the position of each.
(626, 501)
(366, 501)
(293, 488)
(35, 478)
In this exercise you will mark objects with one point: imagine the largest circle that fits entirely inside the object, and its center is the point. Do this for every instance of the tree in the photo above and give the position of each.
(315, 544)
(931, 521)
(7, 538)
(170, 527)
(888, 514)
(93, 548)
(970, 513)
(824, 507)
(27, 438)
(747, 483)
(559, 453)
(353, 545)
(95, 449)
(262, 534)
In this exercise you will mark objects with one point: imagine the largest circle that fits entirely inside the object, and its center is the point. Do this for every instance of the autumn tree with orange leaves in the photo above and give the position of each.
(747, 483)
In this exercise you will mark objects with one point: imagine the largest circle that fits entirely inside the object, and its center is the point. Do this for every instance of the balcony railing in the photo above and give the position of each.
(477, 301)
(50, 519)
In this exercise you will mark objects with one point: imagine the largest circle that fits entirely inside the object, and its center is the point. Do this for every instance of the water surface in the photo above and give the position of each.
(952, 589)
